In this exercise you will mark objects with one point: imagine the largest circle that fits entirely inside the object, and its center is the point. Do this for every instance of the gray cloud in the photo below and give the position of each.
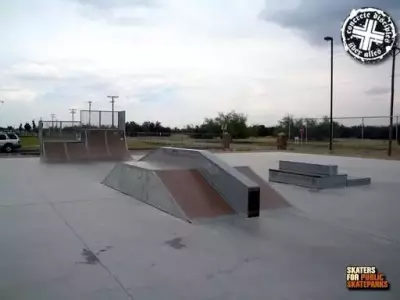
(315, 19)
(377, 91)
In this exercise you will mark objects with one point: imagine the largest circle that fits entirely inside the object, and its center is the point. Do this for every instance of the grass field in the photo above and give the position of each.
(344, 147)
(29, 142)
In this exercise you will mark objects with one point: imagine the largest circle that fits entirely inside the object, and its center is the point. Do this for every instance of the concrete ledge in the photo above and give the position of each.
(358, 181)
(293, 178)
(333, 181)
(307, 168)
(308, 180)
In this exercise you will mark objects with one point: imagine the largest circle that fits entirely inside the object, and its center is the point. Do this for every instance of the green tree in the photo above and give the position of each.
(210, 128)
(284, 124)
(236, 124)
(28, 127)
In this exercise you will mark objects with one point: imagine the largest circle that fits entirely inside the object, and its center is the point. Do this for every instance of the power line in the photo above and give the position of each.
(112, 107)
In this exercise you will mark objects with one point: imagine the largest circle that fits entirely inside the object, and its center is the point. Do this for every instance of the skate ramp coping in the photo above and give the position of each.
(239, 191)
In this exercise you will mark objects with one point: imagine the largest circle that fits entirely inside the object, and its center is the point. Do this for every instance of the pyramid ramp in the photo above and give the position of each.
(241, 193)
(182, 193)
(269, 197)
(196, 198)
(141, 181)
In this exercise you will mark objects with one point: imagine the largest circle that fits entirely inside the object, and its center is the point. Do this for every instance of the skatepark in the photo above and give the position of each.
(89, 220)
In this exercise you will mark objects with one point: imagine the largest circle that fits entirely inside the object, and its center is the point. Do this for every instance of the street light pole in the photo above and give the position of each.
(328, 38)
(395, 51)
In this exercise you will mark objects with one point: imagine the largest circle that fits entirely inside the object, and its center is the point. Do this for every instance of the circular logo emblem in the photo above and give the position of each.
(368, 34)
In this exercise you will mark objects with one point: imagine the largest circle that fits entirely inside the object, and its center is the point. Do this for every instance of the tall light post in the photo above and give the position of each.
(330, 39)
(395, 51)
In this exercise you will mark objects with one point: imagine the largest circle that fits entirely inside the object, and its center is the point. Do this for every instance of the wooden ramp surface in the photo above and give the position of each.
(76, 151)
(96, 140)
(116, 144)
(269, 197)
(55, 151)
(193, 194)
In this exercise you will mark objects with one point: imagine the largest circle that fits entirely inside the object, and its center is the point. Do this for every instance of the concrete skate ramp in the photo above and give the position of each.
(269, 197)
(182, 193)
(240, 192)
(54, 151)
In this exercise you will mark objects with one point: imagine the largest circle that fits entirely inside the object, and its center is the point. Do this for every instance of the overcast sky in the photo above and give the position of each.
(178, 61)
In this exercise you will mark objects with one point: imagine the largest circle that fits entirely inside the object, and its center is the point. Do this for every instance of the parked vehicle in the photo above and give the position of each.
(9, 142)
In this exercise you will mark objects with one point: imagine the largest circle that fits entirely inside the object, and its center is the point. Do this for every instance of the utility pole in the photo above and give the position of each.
(52, 120)
(395, 51)
(90, 111)
(73, 112)
(112, 106)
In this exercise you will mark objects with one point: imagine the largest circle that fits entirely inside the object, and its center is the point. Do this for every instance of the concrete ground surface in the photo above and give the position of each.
(63, 235)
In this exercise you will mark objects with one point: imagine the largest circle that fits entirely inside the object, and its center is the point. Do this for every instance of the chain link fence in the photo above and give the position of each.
(101, 119)
(366, 134)
(60, 130)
